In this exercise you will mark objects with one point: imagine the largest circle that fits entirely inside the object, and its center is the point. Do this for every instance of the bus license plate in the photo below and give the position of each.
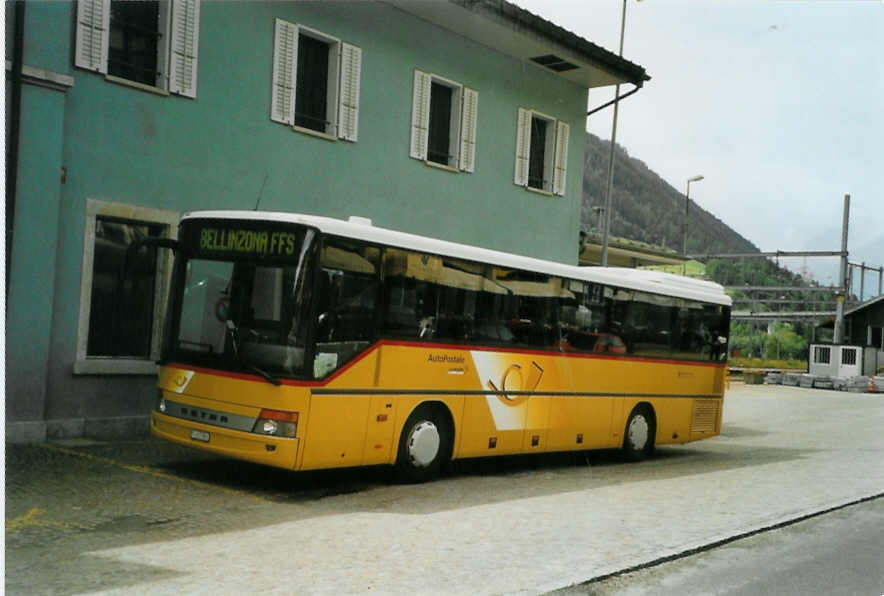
(199, 435)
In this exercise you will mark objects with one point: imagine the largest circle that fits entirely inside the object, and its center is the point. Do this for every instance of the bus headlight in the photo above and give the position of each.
(276, 423)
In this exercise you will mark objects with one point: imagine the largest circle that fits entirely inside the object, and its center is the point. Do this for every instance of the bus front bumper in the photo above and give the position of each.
(271, 451)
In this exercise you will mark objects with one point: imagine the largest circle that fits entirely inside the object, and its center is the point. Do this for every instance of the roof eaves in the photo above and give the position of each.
(616, 65)
(864, 305)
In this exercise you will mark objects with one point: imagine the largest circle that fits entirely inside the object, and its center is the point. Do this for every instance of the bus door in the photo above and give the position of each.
(344, 357)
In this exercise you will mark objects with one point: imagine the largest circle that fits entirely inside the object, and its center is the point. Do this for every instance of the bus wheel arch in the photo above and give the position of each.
(425, 443)
(639, 434)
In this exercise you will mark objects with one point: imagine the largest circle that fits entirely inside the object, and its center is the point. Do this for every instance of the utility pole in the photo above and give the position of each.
(842, 275)
(606, 231)
(862, 281)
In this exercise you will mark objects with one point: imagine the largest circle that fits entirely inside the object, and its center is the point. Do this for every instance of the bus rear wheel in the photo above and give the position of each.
(424, 446)
(638, 437)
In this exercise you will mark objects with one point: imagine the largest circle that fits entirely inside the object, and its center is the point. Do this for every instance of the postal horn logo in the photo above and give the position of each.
(181, 380)
(516, 382)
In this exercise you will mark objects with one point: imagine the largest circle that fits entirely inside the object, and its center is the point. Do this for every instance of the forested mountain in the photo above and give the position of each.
(647, 208)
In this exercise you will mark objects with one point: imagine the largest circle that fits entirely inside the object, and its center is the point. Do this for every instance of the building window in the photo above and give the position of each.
(822, 354)
(443, 122)
(541, 152)
(311, 91)
(134, 41)
(120, 315)
(439, 148)
(848, 356)
(876, 337)
(151, 43)
(316, 81)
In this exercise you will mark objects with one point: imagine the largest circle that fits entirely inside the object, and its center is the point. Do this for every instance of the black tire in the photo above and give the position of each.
(638, 436)
(424, 446)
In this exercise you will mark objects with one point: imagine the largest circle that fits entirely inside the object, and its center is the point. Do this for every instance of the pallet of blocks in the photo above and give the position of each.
(773, 378)
(823, 382)
(858, 384)
(791, 379)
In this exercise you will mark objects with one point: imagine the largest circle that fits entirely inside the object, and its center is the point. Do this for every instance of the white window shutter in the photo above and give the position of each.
(420, 115)
(184, 47)
(285, 63)
(523, 147)
(93, 27)
(468, 115)
(348, 114)
(560, 168)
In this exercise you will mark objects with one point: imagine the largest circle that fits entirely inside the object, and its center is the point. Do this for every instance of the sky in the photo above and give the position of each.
(778, 104)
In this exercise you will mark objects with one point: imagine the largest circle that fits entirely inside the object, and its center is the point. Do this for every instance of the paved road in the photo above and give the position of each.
(841, 552)
(146, 516)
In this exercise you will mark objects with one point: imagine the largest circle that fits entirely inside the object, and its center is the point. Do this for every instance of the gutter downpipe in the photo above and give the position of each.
(14, 127)
(615, 100)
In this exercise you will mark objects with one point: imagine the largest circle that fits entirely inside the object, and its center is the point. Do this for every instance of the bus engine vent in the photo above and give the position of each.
(705, 415)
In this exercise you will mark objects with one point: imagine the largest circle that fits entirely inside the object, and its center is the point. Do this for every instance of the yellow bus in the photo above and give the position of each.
(308, 342)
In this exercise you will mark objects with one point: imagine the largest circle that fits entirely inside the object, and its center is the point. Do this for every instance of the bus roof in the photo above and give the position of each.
(360, 228)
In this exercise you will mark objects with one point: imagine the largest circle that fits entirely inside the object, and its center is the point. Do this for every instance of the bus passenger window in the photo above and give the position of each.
(430, 297)
(583, 319)
(530, 305)
(410, 294)
(649, 320)
(348, 288)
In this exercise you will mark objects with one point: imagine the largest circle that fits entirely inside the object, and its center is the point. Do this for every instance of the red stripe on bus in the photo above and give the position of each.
(461, 347)
(284, 381)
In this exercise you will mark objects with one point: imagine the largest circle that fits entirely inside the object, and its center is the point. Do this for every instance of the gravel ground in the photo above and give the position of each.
(84, 516)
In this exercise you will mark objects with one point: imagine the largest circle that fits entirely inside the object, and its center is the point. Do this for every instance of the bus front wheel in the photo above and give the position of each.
(424, 446)
(638, 438)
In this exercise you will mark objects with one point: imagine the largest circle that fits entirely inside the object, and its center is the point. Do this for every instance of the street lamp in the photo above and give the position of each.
(684, 241)
(687, 201)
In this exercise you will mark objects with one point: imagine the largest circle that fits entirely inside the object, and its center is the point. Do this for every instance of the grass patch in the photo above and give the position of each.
(792, 363)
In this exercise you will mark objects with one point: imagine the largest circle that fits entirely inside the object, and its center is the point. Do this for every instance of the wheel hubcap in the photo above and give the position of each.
(423, 444)
(638, 432)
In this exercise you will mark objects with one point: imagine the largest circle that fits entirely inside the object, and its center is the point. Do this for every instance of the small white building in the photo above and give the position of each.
(833, 360)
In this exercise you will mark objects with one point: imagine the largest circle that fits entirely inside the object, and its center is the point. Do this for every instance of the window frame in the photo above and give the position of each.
(454, 121)
(177, 46)
(463, 118)
(333, 82)
(555, 159)
(344, 72)
(85, 364)
(549, 148)
(162, 51)
(822, 355)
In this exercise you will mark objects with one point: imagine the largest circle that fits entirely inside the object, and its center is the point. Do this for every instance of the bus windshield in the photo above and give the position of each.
(241, 297)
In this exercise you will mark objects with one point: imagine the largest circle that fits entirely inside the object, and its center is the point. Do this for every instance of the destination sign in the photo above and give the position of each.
(262, 243)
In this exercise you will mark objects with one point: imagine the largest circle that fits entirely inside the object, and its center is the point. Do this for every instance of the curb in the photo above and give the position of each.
(724, 541)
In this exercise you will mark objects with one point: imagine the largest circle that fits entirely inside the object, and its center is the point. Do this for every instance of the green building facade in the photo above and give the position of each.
(461, 120)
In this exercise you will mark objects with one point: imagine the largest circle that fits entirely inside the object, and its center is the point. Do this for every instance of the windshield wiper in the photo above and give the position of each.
(234, 341)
